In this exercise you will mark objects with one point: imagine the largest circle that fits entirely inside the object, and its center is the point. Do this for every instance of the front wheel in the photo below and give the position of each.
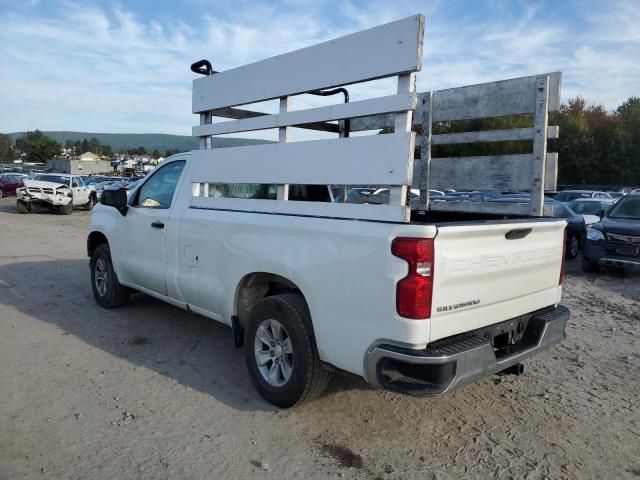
(281, 352)
(66, 209)
(107, 290)
(573, 246)
(23, 207)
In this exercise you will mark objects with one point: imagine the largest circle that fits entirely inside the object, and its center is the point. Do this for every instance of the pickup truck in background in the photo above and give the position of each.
(56, 191)
(414, 301)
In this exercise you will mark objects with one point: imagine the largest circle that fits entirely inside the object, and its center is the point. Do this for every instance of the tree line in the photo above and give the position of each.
(38, 147)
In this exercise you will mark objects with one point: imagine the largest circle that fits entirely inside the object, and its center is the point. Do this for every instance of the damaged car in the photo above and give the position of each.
(59, 192)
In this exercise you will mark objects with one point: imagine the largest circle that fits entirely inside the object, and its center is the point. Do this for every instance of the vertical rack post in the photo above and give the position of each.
(205, 144)
(540, 123)
(402, 123)
(425, 149)
(283, 137)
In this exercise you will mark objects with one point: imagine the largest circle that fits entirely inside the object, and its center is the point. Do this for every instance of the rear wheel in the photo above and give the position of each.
(573, 246)
(107, 290)
(91, 203)
(281, 352)
(23, 207)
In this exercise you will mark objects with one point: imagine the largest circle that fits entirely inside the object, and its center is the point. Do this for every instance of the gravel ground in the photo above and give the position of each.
(151, 392)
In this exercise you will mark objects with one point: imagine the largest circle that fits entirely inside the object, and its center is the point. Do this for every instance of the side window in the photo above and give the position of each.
(158, 190)
(74, 182)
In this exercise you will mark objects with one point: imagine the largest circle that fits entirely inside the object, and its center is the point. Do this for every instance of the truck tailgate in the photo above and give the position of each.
(487, 273)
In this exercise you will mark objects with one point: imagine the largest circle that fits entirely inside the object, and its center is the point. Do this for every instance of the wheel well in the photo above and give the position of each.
(256, 286)
(94, 241)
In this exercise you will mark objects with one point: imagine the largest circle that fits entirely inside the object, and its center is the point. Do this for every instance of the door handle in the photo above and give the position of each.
(157, 224)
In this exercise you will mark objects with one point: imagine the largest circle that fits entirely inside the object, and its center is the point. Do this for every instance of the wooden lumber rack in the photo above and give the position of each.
(391, 50)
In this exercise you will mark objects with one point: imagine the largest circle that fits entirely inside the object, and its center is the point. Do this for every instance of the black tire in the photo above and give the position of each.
(308, 378)
(66, 209)
(23, 207)
(573, 246)
(91, 203)
(115, 294)
(588, 266)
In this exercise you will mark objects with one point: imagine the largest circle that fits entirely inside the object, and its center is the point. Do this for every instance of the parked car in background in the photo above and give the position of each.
(589, 208)
(9, 183)
(617, 195)
(568, 195)
(615, 240)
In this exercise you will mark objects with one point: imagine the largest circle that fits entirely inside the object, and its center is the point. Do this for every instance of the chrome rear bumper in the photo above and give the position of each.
(449, 363)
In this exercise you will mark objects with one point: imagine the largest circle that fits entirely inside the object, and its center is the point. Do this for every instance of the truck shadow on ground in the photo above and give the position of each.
(192, 350)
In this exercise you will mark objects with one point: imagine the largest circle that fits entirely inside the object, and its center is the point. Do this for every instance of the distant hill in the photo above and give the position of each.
(150, 141)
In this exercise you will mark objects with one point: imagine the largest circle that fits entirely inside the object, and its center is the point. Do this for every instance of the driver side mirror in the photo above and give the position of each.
(116, 199)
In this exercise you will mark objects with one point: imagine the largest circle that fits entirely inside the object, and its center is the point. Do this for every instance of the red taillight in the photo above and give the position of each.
(564, 251)
(413, 292)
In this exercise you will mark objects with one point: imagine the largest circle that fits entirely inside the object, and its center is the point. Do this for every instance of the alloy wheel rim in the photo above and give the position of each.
(101, 277)
(273, 352)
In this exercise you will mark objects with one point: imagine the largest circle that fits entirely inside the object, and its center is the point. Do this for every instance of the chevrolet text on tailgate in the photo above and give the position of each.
(415, 295)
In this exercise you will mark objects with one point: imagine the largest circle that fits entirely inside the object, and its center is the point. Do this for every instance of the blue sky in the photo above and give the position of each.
(106, 66)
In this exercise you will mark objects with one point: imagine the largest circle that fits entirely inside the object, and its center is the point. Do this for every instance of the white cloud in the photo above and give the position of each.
(95, 69)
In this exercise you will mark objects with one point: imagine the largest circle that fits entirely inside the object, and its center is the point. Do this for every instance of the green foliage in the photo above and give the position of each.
(598, 147)
(6, 149)
(37, 146)
(137, 151)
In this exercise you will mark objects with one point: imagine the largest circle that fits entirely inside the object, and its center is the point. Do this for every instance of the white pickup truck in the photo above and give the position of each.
(418, 302)
(59, 191)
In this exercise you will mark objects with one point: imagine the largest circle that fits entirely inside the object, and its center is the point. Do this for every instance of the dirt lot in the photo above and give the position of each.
(151, 392)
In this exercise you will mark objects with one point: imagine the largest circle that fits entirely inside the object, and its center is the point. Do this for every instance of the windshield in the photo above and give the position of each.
(627, 207)
(587, 208)
(53, 178)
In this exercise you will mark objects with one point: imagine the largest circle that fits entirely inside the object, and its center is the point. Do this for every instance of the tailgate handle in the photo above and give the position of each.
(517, 233)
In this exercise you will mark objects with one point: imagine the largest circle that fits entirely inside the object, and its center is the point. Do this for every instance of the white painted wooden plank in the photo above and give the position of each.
(494, 99)
(370, 160)
(551, 172)
(486, 207)
(283, 137)
(540, 123)
(388, 213)
(501, 172)
(398, 195)
(205, 141)
(391, 49)
(391, 103)
(553, 131)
